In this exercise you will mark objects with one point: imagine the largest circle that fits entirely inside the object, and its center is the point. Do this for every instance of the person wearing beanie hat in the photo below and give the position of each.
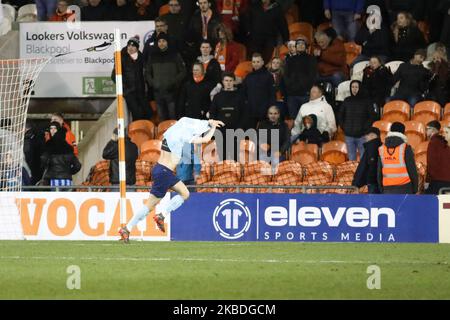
(397, 171)
(133, 80)
(366, 172)
(433, 128)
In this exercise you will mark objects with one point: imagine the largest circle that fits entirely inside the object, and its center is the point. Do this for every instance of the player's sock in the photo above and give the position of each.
(173, 204)
(140, 215)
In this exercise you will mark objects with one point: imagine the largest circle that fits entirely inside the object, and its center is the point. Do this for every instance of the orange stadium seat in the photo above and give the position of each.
(144, 168)
(227, 172)
(415, 131)
(243, 69)
(247, 151)
(298, 29)
(150, 151)
(352, 50)
(446, 115)
(384, 127)
(164, 9)
(163, 126)
(256, 173)
(324, 26)
(304, 153)
(288, 173)
(140, 131)
(421, 152)
(426, 111)
(334, 152)
(319, 173)
(396, 110)
(209, 152)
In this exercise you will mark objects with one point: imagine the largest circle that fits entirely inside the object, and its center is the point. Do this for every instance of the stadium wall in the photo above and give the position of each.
(243, 217)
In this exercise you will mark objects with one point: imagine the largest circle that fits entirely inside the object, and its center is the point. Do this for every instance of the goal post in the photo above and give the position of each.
(17, 79)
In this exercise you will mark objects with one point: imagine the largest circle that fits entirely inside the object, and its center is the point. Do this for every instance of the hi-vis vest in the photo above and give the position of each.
(393, 163)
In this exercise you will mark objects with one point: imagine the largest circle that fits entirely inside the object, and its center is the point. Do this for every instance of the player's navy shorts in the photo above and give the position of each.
(163, 179)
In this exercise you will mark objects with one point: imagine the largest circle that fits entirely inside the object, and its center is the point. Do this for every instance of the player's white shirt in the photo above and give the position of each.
(184, 131)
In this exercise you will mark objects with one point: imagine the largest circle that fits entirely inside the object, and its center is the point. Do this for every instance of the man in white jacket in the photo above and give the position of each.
(319, 106)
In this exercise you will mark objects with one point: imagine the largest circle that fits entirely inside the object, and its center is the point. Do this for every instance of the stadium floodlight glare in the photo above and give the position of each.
(17, 79)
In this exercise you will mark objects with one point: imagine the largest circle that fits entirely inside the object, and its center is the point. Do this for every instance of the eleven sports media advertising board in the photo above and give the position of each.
(242, 217)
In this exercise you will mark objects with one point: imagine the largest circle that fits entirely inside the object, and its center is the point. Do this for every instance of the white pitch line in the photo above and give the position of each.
(190, 259)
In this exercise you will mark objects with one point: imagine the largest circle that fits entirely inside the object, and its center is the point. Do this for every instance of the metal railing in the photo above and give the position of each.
(238, 188)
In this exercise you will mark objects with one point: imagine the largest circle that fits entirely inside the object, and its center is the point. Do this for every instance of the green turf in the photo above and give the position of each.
(212, 270)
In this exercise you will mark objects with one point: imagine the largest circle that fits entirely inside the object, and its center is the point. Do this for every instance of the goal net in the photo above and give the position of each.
(17, 79)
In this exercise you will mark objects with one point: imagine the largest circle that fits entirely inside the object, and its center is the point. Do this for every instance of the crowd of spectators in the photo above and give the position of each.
(187, 65)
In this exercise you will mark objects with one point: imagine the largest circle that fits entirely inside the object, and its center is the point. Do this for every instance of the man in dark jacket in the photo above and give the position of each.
(133, 80)
(165, 72)
(96, 10)
(414, 79)
(111, 152)
(299, 75)
(355, 118)
(276, 127)
(259, 92)
(310, 133)
(264, 22)
(366, 173)
(397, 171)
(438, 160)
(203, 24)
(58, 160)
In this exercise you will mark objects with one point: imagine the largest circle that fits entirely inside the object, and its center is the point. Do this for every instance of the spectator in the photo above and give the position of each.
(299, 76)
(227, 52)
(413, 79)
(377, 83)
(259, 92)
(407, 37)
(62, 12)
(264, 23)
(12, 176)
(355, 118)
(151, 43)
(96, 10)
(33, 147)
(433, 128)
(203, 24)
(438, 160)
(194, 97)
(111, 152)
(310, 133)
(276, 69)
(165, 72)
(175, 21)
(133, 80)
(397, 172)
(141, 10)
(412, 6)
(227, 106)
(70, 137)
(45, 9)
(231, 12)
(331, 59)
(345, 16)
(277, 127)
(440, 69)
(366, 172)
(58, 160)
(118, 10)
(318, 106)
(292, 49)
(374, 37)
(210, 64)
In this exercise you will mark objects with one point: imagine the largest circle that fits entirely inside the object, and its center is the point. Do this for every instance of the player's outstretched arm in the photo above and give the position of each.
(214, 124)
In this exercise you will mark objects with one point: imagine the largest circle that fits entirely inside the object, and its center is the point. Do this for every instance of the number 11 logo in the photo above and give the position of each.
(231, 219)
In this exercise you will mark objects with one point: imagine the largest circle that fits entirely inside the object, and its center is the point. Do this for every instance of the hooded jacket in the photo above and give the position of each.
(393, 140)
(58, 158)
(312, 135)
(111, 152)
(132, 73)
(324, 113)
(356, 114)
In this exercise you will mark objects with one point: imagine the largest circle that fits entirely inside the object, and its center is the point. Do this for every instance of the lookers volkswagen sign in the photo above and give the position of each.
(285, 217)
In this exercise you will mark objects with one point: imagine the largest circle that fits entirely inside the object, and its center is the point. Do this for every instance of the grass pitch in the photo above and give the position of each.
(215, 270)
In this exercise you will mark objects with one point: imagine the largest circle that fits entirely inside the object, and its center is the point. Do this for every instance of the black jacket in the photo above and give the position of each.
(111, 152)
(151, 12)
(194, 32)
(356, 114)
(195, 99)
(313, 135)
(227, 106)
(413, 79)
(283, 133)
(393, 140)
(366, 173)
(409, 40)
(58, 160)
(266, 25)
(213, 72)
(376, 43)
(165, 71)
(259, 93)
(300, 74)
(377, 84)
(33, 147)
(98, 13)
(132, 74)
